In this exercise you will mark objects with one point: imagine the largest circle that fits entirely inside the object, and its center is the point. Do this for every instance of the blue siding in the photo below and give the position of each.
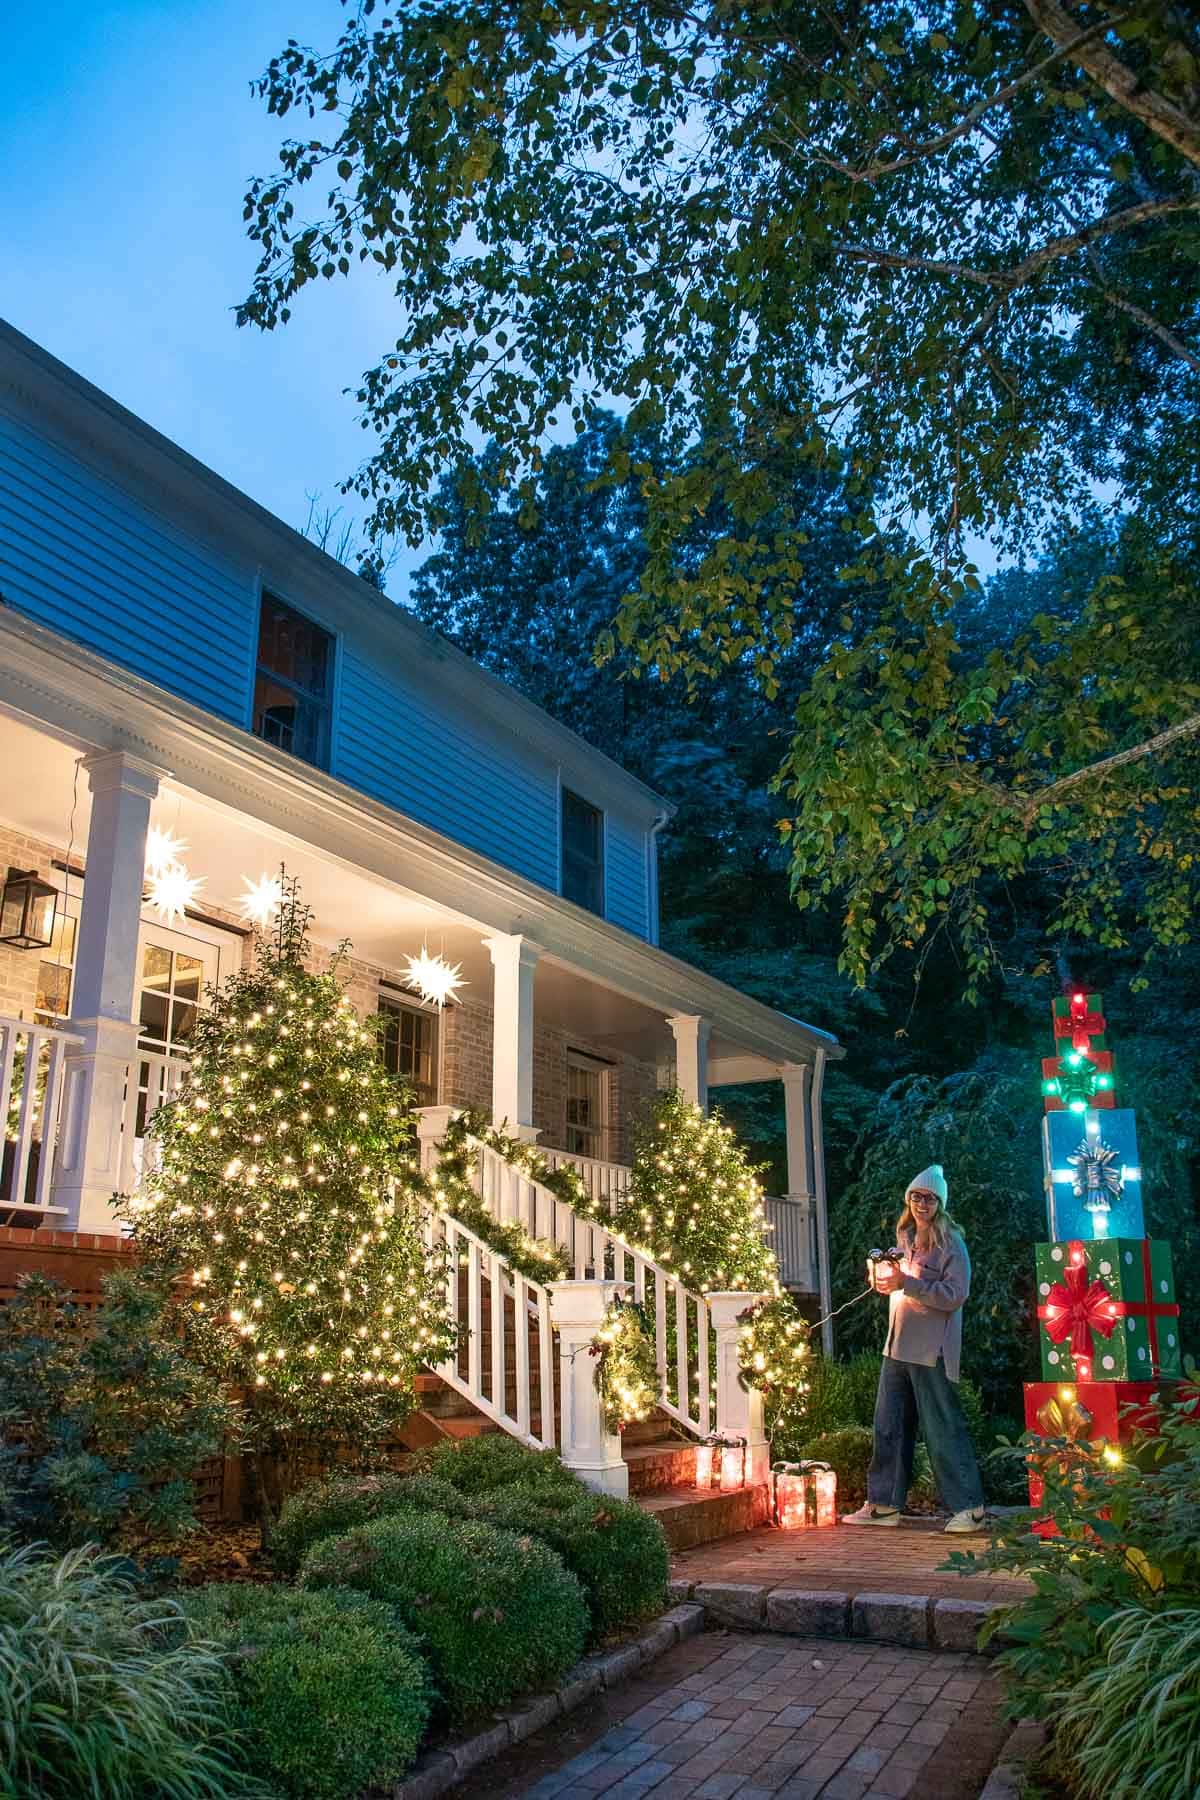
(434, 764)
(84, 557)
(625, 882)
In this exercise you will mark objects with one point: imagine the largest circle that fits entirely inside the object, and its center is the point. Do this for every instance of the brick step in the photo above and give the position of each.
(689, 1518)
(653, 1467)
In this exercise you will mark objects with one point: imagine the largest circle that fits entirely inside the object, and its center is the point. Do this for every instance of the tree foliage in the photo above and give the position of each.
(948, 255)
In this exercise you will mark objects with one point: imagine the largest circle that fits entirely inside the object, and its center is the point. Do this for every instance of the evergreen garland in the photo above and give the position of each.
(287, 1203)
(774, 1358)
(451, 1189)
(626, 1366)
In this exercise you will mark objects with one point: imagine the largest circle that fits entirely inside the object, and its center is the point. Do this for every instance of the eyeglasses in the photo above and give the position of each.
(923, 1197)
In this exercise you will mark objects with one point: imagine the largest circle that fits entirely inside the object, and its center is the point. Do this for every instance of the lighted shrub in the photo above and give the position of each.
(478, 1465)
(618, 1552)
(497, 1613)
(331, 1693)
(328, 1508)
(102, 1694)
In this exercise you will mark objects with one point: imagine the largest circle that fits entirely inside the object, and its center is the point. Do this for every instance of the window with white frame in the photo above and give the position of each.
(409, 1045)
(293, 683)
(56, 970)
(587, 1104)
(582, 852)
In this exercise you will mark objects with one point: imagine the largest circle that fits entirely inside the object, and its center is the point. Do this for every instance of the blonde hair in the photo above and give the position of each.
(939, 1231)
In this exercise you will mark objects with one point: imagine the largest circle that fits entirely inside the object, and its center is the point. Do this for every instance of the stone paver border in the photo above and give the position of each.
(441, 1769)
(1023, 1744)
(918, 1621)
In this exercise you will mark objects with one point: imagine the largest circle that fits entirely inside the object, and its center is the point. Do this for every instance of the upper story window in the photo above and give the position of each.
(409, 1046)
(293, 683)
(582, 853)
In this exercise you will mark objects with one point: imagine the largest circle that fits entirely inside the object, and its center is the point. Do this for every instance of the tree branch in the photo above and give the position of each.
(1121, 83)
(1165, 335)
(1028, 805)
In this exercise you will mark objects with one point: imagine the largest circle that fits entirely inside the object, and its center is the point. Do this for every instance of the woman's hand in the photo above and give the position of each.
(889, 1283)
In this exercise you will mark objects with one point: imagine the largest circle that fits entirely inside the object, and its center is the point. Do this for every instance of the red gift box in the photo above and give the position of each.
(1057, 1409)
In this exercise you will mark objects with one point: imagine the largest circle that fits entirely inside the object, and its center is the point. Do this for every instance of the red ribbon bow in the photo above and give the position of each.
(1075, 1309)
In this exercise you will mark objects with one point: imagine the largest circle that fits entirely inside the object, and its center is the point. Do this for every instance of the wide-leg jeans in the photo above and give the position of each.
(912, 1396)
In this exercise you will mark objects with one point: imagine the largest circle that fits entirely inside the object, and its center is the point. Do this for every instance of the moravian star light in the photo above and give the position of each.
(171, 890)
(261, 900)
(434, 979)
(163, 849)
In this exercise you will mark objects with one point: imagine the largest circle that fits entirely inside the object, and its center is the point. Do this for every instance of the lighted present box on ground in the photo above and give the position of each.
(1107, 1310)
(1093, 1176)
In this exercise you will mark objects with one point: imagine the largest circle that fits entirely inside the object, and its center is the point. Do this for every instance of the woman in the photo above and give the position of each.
(921, 1366)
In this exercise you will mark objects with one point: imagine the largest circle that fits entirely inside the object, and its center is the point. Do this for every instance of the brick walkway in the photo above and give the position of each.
(726, 1717)
(846, 1559)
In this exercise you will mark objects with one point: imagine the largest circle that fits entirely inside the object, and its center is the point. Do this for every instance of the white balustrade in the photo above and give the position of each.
(680, 1317)
(793, 1238)
(603, 1180)
(521, 1338)
(32, 1066)
(150, 1079)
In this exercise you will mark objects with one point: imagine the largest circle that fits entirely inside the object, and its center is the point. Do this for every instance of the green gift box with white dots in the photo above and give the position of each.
(1107, 1310)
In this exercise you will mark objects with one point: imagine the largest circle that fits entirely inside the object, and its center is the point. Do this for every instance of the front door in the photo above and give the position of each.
(174, 969)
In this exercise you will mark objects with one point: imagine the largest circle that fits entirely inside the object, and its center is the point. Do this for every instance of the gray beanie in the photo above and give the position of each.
(931, 1178)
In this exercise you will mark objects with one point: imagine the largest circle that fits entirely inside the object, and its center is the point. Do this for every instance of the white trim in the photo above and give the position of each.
(86, 701)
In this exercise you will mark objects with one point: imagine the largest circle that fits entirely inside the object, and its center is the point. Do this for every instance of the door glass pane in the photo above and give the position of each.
(156, 966)
(189, 977)
(183, 1024)
(152, 1016)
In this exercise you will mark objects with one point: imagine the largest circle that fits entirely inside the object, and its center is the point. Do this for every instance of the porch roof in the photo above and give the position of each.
(371, 872)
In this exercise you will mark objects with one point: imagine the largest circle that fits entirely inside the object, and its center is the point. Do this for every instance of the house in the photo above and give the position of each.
(174, 659)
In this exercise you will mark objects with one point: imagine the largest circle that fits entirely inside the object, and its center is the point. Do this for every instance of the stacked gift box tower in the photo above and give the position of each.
(1108, 1321)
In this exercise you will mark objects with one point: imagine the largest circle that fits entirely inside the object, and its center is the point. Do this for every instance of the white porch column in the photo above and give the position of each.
(796, 1078)
(514, 960)
(588, 1447)
(739, 1409)
(818, 1163)
(691, 1056)
(88, 1164)
(433, 1122)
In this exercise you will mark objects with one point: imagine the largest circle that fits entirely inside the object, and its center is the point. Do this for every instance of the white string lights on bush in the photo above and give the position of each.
(434, 979)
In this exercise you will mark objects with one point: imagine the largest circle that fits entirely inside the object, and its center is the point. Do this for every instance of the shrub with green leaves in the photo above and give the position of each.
(1130, 1729)
(477, 1465)
(849, 1452)
(101, 1694)
(331, 1693)
(103, 1420)
(498, 1614)
(618, 1552)
(331, 1507)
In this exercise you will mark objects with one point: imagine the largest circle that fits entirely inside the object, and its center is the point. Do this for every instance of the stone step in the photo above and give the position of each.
(689, 1518)
(668, 1463)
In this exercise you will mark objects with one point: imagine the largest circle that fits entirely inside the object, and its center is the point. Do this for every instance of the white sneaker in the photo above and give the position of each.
(967, 1523)
(872, 1515)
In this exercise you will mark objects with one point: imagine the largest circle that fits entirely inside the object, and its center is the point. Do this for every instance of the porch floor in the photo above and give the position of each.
(847, 1560)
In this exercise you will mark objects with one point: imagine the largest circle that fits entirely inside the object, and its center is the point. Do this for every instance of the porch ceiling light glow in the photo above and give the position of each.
(162, 849)
(171, 890)
(434, 979)
(261, 900)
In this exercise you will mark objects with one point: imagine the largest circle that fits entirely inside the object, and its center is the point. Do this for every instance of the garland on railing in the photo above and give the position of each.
(566, 1184)
(451, 1188)
(626, 1367)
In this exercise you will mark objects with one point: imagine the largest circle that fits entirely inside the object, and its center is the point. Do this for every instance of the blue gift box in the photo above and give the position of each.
(1093, 1175)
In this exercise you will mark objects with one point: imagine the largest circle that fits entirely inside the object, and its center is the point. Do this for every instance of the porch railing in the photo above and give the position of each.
(682, 1328)
(151, 1079)
(32, 1067)
(793, 1238)
(603, 1180)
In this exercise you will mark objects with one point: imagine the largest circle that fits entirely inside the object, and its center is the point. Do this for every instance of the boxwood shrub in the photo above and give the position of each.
(497, 1613)
(618, 1552)
(478, 1465)
(337, 1504)
(849, 1452)
(330, 1693)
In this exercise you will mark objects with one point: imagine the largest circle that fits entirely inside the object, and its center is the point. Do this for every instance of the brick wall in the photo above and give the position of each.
(19, 968)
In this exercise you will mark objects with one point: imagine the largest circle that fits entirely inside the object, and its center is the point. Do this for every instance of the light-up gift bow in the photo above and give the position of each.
(1075, 1308)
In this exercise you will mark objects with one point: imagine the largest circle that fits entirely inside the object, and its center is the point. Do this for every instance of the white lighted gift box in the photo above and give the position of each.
(721, 1463)
(805, 1495)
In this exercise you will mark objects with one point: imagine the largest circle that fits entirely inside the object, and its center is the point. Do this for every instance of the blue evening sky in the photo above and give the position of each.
(127, 137)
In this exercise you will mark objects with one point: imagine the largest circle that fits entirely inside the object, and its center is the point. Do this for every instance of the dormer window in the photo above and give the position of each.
(582, 853)
(293, 683)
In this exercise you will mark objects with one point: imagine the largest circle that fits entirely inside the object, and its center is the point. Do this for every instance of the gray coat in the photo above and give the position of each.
(925, 1316)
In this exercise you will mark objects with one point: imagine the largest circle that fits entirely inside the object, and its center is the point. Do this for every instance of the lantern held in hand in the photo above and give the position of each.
(883, 1262)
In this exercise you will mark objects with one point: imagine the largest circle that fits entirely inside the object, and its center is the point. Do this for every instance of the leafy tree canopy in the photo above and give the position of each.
(949, 252)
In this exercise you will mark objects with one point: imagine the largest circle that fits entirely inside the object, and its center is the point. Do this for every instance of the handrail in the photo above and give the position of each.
(32, 1068)
(513, 1356)
(682, 1333)
(603, 1180)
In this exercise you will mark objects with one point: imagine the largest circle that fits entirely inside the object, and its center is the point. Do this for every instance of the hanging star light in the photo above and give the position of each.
(434, 979)
(261, 900)
(171, 890)
(162, 849)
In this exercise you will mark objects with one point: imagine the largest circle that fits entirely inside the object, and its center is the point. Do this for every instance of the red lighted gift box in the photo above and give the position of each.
(1086, 1412)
